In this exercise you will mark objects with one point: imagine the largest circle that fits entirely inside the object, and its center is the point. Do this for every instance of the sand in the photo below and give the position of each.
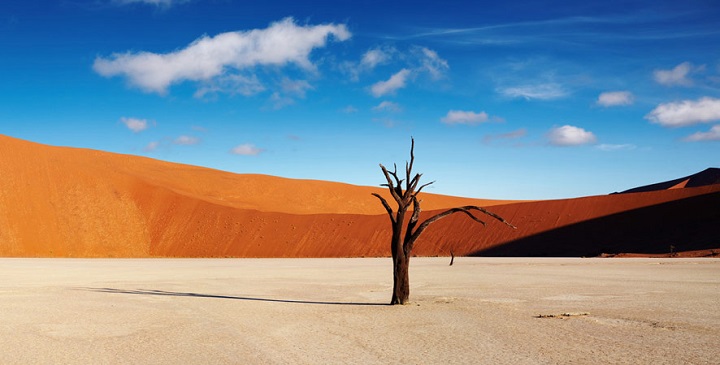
(70, 202)
(332, 311)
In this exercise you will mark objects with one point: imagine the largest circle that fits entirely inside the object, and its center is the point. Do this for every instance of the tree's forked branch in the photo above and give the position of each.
(387, 207)
(413, 184)
(416, 213)
(423, 186)
(464, 209)
(390, 185)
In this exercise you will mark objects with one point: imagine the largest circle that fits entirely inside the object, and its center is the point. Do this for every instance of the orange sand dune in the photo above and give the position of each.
(58, 201)
(65, 202)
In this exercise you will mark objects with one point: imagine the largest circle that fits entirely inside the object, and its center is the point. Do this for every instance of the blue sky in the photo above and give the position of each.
(508, 100)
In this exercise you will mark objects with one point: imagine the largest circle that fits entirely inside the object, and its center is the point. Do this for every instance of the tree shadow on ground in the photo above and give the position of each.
(198, 295)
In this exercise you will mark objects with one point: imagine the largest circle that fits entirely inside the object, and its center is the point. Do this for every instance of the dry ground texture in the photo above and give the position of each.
(315, 311)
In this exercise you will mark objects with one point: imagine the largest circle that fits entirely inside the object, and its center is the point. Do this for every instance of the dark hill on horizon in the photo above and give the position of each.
(71, 202)
(709, 176)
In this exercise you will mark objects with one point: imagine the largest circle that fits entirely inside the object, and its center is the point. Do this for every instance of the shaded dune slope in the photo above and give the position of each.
(647, 223)
(65, 202)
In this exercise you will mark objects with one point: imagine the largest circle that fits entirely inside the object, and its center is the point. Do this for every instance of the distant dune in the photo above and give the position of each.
(703, 178)
(69, 202)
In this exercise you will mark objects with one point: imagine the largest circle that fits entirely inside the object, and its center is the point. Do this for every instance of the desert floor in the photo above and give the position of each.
(314, 311)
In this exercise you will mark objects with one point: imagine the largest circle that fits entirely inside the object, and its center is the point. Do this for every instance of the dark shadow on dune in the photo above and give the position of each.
(685, 224)
(197, 295)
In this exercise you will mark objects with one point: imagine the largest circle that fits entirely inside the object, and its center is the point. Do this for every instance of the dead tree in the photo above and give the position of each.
(404, 236)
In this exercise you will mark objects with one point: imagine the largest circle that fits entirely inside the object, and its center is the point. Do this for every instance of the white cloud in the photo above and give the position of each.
(152, 146)
(677, 76)
(376, 56)
(432, 63)
(396, 81)
(134, 124)
(547, 91)
(464, 117)
(387, 106)
(686, 112)
(615, 98)
(370, 59)
(186, 140)
(246, 150)
(568, 135)
(615, 147)
(712, 135)
(282, 43)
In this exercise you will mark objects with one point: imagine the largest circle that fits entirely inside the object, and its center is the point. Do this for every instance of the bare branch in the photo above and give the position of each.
(387, 207)
(398, 180)
(390, 184)
(412, 153)
(416, 212)
(423, 186)
(408, 241)
(464, 209)
(414, 182)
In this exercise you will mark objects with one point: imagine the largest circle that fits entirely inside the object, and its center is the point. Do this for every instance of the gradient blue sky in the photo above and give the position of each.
(508, 100)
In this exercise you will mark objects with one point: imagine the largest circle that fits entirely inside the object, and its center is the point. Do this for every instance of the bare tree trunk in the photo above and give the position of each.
(402, 247)
(401, 279)
(401, 263)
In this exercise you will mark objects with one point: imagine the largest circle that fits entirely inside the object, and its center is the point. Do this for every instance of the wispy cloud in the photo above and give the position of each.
(370, 60)
(295, 87)
(387, 122)
(207, 58)
(159, 3)
(349, 109)
(376, 56)
(387, 106)
(290, 90)
(431, 63)
(686, 112)
(246, 149)
(615, 98)
(546, 91)
(568, 135)
(134, 124)
(395, 82)
(573, 30)
(518, 133)
(464, 117)
(186, 140)
(712, 135)
(514, 134)
(615, 147)
(231, 84)
(152, 146)
(280, 101)
(677, 76)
